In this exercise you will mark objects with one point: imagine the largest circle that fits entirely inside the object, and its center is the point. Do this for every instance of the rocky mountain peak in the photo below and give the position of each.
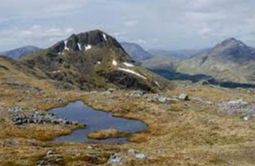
(232, 49)
(231, 43)
(92, 60)
(85, 41)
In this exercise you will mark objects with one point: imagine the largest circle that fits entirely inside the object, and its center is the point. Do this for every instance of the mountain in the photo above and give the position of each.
(160, 62)
(136, 51)
(168, 59)
(92, 60)
(176, 54)
(173, 55)
(230, 60)
(20, 52)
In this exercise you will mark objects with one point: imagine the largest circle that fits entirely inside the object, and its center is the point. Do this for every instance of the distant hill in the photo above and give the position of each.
(93, 60)
(168, 59)
(230, 60)
(20, 52)
(136, 51)
(176, 54)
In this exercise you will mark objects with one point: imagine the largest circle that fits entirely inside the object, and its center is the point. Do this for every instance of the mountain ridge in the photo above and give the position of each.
(229, 60)
(20, 52)
(92, 60)
(137, 52)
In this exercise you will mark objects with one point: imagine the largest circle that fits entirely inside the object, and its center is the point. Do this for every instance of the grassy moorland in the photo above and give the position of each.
(194, 132)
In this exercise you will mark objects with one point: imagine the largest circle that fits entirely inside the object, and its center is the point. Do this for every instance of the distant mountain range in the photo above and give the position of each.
(157, 58)
(168, 59)
(140, 54)
(175, 54)
(136, 51)
(230, 60)
(20, 52)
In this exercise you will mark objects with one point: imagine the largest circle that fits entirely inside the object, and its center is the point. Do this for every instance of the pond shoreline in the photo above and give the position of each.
(110, 117)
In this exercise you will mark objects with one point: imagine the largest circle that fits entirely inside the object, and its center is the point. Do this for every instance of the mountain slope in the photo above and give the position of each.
(136, 51)
(92, 60)
(230, 60)
(167, 59)
(175, 54)
(20, 52)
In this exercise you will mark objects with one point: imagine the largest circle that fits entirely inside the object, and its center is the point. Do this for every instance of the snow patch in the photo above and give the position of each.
(88, 47)
(132, 72)
(245, 118)
(57, 71)
(105, 37)
(114, 62)
(66, 48)
(128, 64)
(156, 82)
(79, 46)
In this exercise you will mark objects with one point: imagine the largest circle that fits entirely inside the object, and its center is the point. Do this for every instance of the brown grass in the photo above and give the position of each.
(108, 133)
(179, 133)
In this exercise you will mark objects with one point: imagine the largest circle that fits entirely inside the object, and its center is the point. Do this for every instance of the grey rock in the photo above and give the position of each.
(115, 159)
(237, 103)
(53, 100)
(157, 98)
(50, 158)
(162, 99)
(136, 93)
(234, 106)
(107, 92)
(140, 156)
(249, 114)
(183, 96)
(20, 118)
(136, 154)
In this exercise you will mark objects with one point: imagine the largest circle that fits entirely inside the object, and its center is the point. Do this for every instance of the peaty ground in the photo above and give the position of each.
(194, 132)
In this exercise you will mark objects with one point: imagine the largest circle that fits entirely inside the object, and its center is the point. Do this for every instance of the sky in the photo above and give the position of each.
(154, 24)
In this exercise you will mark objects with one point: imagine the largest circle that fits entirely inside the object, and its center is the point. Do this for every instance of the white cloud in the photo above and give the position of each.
(38, 32)
(175, 23)
(35, 35)
(130, 23)
(139, 41)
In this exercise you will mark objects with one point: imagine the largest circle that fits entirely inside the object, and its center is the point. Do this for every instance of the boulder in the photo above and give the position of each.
(183, 96)
(137, 155)
(162, 99)
(136, 93)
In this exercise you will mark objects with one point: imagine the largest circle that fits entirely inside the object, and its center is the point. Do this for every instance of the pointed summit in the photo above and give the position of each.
(232, 49)
(85, 41)
(231, 43)
(230, 60)
(92, 60)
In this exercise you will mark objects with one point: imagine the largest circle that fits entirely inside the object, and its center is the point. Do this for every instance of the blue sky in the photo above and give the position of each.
(165, 24)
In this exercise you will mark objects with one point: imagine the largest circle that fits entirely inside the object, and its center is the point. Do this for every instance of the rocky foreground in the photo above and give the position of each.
(192, 125)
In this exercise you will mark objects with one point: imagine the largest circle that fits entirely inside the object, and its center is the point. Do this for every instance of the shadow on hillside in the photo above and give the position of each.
(172, 75)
